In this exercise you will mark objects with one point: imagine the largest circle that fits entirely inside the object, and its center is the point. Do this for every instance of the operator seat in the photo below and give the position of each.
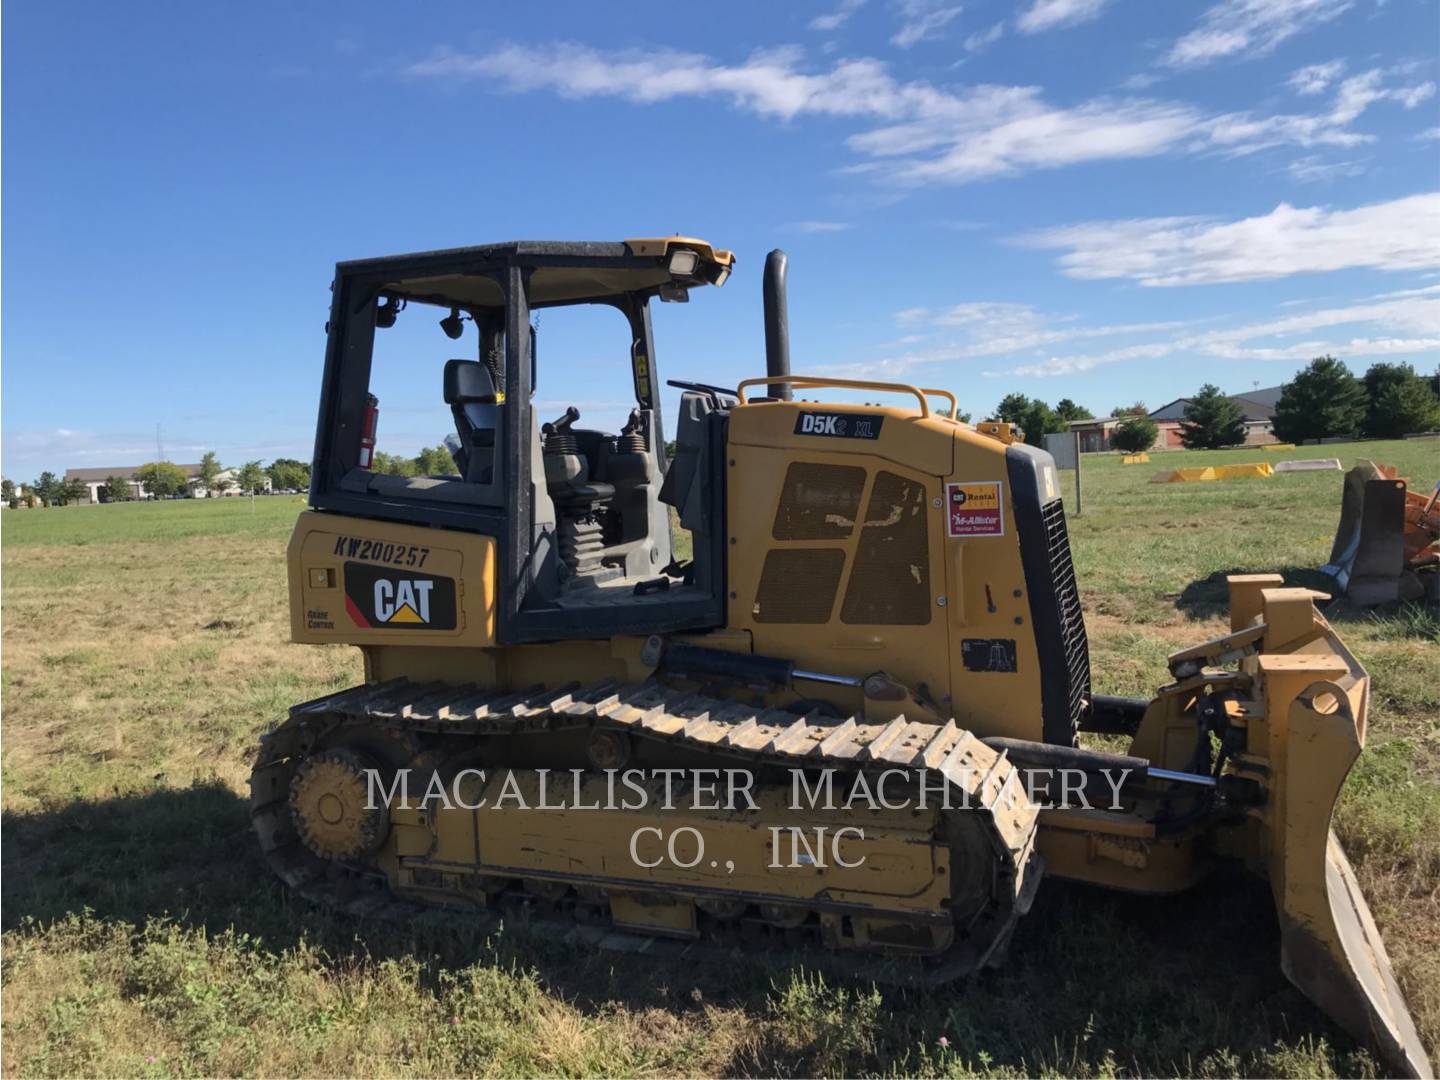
(470, 392)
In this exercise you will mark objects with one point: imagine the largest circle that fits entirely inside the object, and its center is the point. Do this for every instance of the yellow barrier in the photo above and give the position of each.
(1176, 476)
(1250, 468)
(1134, 459)
(1213, 472)
(1278, 446)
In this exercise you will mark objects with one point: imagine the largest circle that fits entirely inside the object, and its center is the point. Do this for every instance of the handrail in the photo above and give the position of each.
(954, 401)
(809, 381)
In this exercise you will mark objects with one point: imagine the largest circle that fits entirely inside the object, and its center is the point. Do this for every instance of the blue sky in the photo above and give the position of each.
(1096, 199)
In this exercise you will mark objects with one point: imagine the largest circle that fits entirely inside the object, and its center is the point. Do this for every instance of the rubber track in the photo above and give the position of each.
(651, 711)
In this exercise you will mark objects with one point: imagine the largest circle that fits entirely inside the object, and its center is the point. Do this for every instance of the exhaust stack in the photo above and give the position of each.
(777, 323)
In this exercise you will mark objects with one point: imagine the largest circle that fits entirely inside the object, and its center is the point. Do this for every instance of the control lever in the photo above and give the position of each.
(561, 425)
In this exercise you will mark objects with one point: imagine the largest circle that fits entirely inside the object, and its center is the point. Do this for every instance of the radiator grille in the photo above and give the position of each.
(819, 502)
(890, 584)
(798, 585)
(1067, 602)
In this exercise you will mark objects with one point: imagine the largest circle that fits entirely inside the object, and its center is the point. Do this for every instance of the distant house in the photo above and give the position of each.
(1095, 433)
(227, 482)
(96, 479)
(1257, 405)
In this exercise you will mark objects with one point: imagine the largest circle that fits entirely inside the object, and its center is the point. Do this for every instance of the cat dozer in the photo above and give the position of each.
(1387, 544)
(805, 732)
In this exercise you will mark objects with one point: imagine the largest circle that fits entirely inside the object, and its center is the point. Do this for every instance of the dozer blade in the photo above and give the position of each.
(1335, 955)
(1367, 559)
(1310, 731)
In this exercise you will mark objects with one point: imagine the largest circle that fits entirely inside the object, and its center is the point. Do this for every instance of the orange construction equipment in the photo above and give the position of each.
(1387, 546)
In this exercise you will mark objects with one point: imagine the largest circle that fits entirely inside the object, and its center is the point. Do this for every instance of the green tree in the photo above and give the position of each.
(209, 470)
(1212, 420)
(46, 488)
(1134, 409)
(1040, 420)
(1012, 407)
(162, 479)
(392, 464)
(1067, 410)
(1322, 401)
(251, 478)
(287, 473)
(435, 461)
(1035, 418)
(117, 490)
(7, 490)
(1400, 402)
(73, 491)
(1134, 434)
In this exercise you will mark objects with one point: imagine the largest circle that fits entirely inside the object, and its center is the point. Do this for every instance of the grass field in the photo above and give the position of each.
(145, 651)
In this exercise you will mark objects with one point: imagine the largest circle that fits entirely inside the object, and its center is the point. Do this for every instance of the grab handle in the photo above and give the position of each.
(812, 381)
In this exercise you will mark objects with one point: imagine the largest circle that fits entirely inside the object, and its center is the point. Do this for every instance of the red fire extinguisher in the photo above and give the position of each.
(367, 430)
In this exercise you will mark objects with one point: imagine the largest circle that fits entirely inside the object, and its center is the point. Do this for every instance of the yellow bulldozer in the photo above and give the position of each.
(848, 720)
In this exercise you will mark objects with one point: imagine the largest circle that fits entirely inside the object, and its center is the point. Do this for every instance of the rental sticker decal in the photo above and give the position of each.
(975, 509)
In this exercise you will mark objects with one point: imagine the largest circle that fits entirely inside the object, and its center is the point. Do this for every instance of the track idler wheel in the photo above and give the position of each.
(328, 802)
(783, 916)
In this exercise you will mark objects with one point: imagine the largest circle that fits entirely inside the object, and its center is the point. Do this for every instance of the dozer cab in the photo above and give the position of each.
(875, 642)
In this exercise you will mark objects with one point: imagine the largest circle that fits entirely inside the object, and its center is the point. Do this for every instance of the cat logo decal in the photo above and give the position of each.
(378, 597)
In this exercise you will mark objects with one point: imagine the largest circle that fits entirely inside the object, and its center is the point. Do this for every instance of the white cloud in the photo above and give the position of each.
(1359, 92)
(1411, 96)
(833, 20)
(1405, 325)
(1053, 14)
(998, 329)
(978, 329)
(817, 226)
(1429, 134)
(768, 83)
(997, 130)
(1401, 323)
(1396, 235)
(1315, 78)
(27, 453)
(921, 19)
(1248, 28)
(983, 39)
(916, 133)
(1141, 80)
(1314, 169)
(1244, 133)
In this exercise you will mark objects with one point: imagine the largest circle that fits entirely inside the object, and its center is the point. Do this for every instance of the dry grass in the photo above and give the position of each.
(145, 650)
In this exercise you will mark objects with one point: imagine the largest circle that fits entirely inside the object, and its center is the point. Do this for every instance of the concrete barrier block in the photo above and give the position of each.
(1309, 465)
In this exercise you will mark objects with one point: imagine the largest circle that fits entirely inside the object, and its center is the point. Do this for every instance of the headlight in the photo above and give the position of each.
(683, 263)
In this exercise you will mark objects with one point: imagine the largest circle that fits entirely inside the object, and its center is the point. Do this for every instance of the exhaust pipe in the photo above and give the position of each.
(777, 324)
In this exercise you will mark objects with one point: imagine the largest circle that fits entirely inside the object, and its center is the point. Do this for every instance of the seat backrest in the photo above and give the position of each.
(680, 489)
(467, 381)
(470, 393)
